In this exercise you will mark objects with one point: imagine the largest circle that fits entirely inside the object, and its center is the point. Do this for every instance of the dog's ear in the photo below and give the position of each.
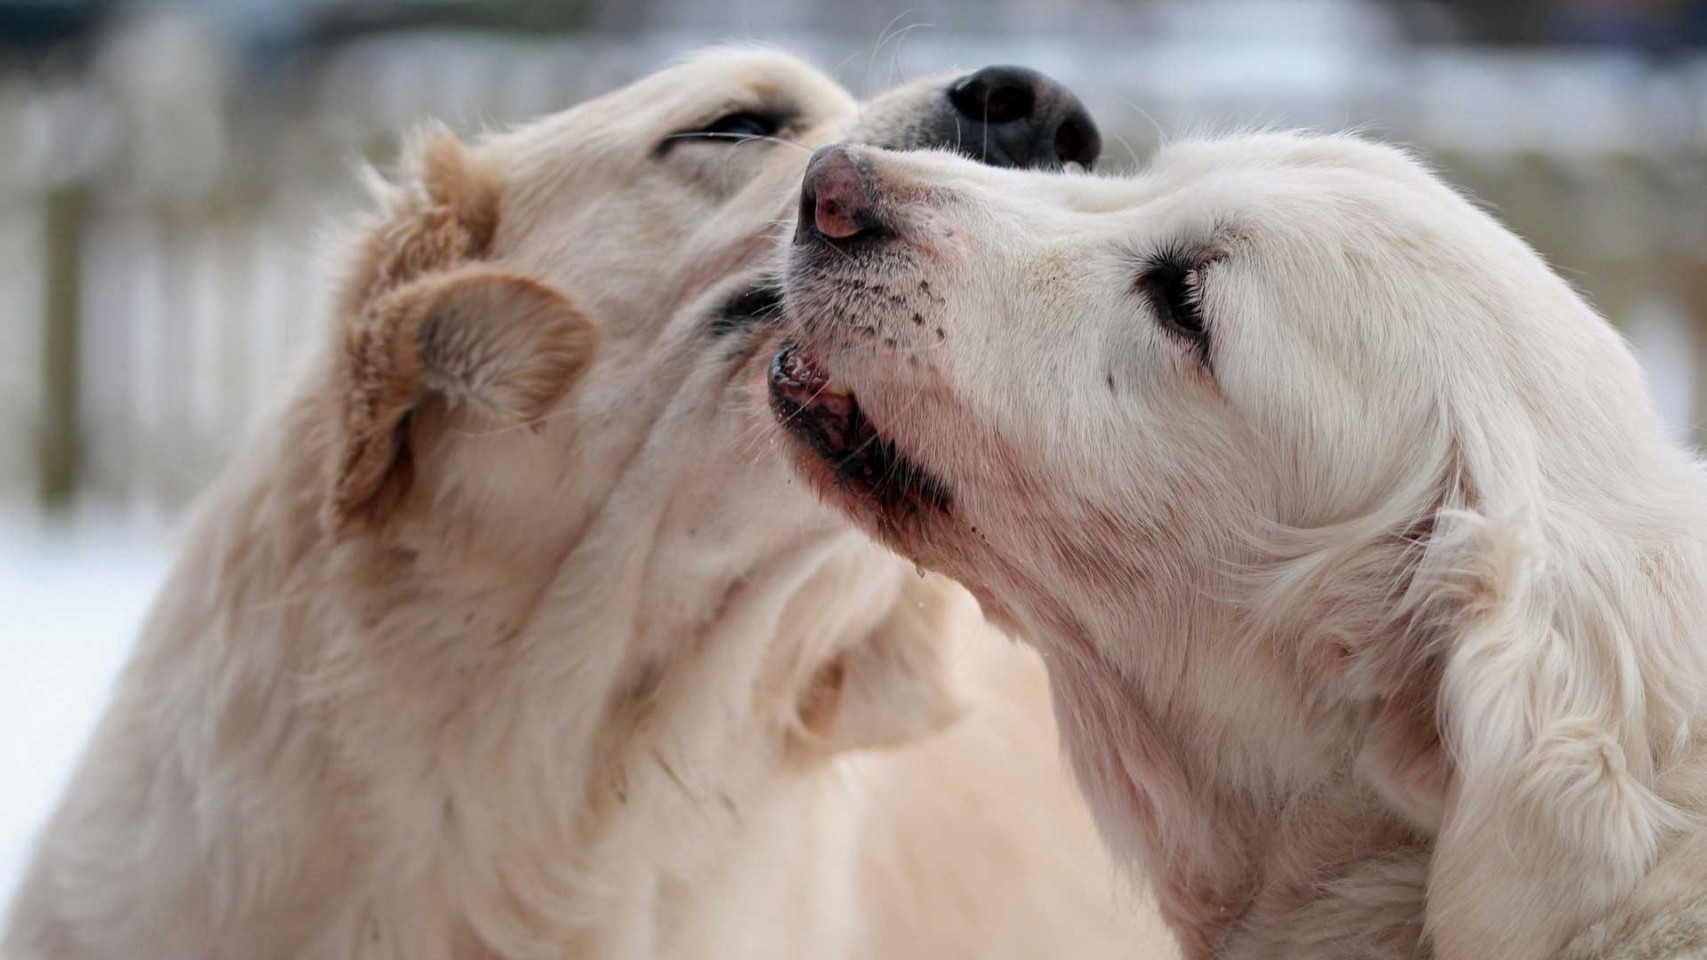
(480, 337)
(1514, 668)
(421, 315)
(1551, 815)
(892, 686)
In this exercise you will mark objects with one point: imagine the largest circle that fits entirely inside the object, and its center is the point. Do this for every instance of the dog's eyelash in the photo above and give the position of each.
(736, 126)
(1171, 284)
(742, 125)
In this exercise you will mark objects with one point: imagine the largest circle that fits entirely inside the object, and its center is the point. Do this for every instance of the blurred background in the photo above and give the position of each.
(167, 172)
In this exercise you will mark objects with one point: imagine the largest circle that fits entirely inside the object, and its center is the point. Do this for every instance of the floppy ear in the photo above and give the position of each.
(478, 336)
(893, 685)
(1514, 670)
(421, 315)
(1551, 815)
(443, 214)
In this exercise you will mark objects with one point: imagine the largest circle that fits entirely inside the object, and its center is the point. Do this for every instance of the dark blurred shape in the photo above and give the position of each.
(1649, 26)
(331, 22)
(58, 437)
(32, 29)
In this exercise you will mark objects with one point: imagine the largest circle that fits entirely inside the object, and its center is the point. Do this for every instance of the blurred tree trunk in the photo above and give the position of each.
(58, 437)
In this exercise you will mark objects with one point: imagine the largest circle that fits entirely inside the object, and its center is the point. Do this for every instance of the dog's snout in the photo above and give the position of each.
(1018, 117)
(838, 199)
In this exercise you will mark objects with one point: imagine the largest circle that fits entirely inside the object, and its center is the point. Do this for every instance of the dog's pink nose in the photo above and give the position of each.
(838, 200)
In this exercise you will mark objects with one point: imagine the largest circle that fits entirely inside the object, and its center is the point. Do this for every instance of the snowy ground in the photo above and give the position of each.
(71, 598)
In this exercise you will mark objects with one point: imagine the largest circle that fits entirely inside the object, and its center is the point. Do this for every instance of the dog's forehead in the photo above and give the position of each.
(626, 123)
(744, 78)
(1284, 152)
(1287, 198)
(605, 165)
(1254, 177)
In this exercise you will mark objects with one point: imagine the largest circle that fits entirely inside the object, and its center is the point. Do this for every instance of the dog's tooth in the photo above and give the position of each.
(835, 389)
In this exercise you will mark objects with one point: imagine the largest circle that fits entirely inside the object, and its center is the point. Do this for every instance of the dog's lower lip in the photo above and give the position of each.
(798, 377)
(793, 371)
(826, 419)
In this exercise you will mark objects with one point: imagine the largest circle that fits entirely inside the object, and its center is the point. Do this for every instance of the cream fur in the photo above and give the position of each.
(1382, 610)
(506, 636)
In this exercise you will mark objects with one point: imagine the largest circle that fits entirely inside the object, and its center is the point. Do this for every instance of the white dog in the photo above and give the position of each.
(506, 638)
(1371, 589)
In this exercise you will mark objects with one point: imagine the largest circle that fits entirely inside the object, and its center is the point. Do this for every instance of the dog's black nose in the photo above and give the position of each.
(838, 200)
(1017, 117)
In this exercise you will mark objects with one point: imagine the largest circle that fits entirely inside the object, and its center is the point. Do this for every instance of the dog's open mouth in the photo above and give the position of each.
(824, 417)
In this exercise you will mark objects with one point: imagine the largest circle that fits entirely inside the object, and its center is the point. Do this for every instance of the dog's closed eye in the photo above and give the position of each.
(735, 126)
(742, 125)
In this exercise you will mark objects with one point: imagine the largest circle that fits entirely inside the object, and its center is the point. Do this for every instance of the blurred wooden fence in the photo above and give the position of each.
(157, 223)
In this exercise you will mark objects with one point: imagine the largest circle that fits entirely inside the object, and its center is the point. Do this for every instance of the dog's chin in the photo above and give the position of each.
(843, 453)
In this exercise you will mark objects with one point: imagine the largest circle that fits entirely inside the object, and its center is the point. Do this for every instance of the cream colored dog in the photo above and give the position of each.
(1373, 594)
(507, 637)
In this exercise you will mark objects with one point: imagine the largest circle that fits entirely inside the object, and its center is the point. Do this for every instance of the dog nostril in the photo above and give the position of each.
(838, 220)
(838, 200)
(1075, 144)
(995, 95)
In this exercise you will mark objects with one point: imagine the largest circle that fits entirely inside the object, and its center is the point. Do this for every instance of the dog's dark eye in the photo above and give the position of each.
(1170, 284)
(741, 126)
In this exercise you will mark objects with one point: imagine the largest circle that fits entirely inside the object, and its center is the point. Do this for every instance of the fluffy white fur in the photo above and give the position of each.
(1380, 608)
(508, 637)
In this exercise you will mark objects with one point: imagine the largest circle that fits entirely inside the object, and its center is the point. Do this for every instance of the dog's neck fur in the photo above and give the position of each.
(1238, 836)
(516, 817)
(1225, 828)
(1242, 784)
